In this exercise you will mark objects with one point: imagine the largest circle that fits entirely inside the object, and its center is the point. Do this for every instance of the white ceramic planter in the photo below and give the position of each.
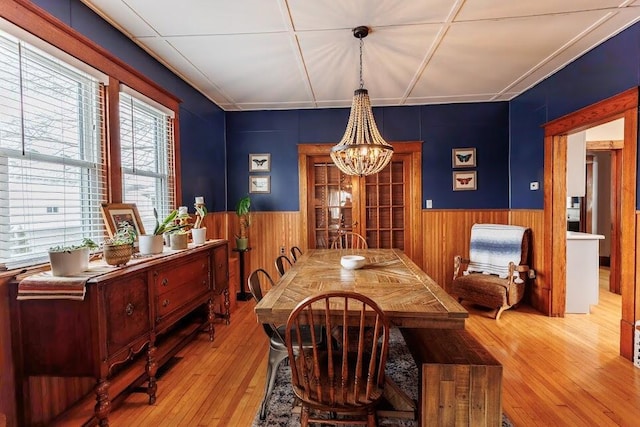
(199, 235)
(69, 263)
(150, 244)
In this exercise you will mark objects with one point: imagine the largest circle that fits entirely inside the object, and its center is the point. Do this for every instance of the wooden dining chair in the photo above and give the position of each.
(296, 252)
(259, 283)
(283, 263)
(347, 377)
(349, 240)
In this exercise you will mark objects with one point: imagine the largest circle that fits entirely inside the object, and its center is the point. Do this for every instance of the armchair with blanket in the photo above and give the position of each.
(497, 269)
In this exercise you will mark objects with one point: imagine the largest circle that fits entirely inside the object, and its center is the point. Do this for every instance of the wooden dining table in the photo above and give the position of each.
(407, 295)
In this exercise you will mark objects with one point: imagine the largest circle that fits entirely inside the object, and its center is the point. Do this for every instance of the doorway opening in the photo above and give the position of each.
(624, 161)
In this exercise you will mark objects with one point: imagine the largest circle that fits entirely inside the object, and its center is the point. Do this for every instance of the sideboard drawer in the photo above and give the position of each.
(192, 272)
(177, 298)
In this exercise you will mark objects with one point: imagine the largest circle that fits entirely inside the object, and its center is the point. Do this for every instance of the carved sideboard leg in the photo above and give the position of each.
(227, 304)
(211, 315)
(152, 368)
(103, 404)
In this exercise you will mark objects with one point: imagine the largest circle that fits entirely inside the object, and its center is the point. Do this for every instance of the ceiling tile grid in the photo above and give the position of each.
(282, 54)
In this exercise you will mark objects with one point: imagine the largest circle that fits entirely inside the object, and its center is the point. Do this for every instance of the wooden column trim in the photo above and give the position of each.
(112, 131)
(593, 115)
(623, 105)
(629, 256)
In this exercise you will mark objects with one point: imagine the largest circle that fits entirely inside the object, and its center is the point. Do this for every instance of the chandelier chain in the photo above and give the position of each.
(361, 79)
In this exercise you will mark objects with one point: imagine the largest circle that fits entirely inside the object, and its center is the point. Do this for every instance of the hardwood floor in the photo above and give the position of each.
(557, 372)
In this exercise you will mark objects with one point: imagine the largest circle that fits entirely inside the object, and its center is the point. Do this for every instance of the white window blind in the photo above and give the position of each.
(52, 178)
(147, 151)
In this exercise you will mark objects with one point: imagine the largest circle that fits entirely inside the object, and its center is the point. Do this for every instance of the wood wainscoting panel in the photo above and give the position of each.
(445, 234)
(269, 231)
(217, 224)
(538, 293)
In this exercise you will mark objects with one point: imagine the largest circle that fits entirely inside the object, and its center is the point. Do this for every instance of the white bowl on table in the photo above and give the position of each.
(352, 262)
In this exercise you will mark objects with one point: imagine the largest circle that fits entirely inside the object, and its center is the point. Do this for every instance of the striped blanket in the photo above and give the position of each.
(493, 247)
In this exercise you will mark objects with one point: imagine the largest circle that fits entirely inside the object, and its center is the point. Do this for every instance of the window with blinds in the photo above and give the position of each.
(146, 141)
(52, 166)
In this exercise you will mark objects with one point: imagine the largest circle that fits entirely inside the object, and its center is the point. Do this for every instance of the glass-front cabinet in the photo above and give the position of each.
(374, 206)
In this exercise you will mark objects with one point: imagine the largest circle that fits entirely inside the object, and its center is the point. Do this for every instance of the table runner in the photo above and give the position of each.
(47, 286)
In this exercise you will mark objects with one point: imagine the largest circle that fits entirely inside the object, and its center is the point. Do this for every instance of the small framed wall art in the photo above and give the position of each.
(115, 213)
(259, 184)
(465, 180)
(260, 162)
(464, 157)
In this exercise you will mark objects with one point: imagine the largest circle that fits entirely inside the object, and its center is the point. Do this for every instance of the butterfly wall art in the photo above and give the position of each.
(260, 162)
(464, 157)
(259, 184)
(465, 180)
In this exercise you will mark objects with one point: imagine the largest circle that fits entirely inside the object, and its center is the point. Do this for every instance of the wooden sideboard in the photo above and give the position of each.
(131, 321)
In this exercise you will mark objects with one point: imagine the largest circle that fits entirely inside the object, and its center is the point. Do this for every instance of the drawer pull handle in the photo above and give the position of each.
(165, 303)
(204, 282)
(165, 281)
(129, 309)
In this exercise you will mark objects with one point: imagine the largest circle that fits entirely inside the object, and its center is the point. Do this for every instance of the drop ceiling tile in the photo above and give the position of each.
(167, 54)
(331, 14)
(201, 17)
(251, 68)
(481, 57)
(118, 12)
(608, 28)
(492, 9)
(391, 57)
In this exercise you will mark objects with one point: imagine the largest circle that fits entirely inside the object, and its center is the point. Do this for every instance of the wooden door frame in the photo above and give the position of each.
(414, 186)
(624, 105)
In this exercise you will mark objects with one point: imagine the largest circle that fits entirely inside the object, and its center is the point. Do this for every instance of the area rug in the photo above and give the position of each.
(401, 368)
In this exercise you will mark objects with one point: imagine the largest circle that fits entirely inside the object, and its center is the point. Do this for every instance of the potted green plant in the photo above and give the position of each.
(118, 249)
(179, 237)
(198, 232)
(151, 244)
(70, 260)
(243, 210)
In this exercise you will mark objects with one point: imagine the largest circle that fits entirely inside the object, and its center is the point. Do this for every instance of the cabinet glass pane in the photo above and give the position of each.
(384, 195)
(372, 195)
(398, 218)
(384, 218)
(397, 194)
(385, 239)
(321, 240)
(398, 239)
(320, 174)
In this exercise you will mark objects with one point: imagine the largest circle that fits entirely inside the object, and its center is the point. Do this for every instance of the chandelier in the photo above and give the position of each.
(362, 150)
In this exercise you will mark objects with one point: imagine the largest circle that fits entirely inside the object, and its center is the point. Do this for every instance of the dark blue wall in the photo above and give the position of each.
(606, 70)
(505, 135)
(441, 127)
(202, 140)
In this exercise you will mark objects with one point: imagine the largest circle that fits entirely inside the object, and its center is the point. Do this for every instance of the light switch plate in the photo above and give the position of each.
(429, 204)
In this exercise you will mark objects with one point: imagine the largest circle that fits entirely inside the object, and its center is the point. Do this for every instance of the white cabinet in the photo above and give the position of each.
(582, 271)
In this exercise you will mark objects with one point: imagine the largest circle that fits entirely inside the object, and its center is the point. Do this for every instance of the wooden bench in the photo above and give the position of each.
(460, 381)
